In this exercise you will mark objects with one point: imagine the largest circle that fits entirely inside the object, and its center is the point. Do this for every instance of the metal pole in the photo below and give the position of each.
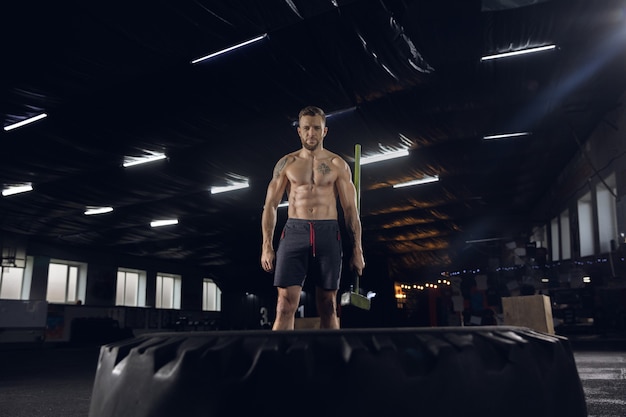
(357, 186)
(357, 175)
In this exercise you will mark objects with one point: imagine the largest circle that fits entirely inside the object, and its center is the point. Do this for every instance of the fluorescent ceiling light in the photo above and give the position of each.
(340, 112)
(25, 122)
(231, 48)
(159, 223)
(284, 204)
(331, 115)
(16, 189)
(490, 239)
(232, 187)
(507, 135)
(519, 52)
(129, 161)
(424, 180)
(384, 156)
(97, 210)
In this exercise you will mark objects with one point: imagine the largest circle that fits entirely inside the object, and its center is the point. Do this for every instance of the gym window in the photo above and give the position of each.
(566, 242)
(130, 288)
(11, 282)
(555, 242)
(607, 214)
(66, 282)
(211, 296)
(168, 291)
(16, 271)
(585, 225)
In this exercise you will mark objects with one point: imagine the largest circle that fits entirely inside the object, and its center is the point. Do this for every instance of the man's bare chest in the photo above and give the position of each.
(312, 172)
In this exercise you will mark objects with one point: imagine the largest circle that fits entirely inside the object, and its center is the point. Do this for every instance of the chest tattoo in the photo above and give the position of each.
(323, 169)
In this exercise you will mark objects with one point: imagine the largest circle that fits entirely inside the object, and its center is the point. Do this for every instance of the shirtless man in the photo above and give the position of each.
(310, 244)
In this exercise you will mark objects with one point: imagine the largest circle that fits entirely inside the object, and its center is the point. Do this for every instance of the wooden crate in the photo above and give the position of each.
(532, 311)
(307, 323)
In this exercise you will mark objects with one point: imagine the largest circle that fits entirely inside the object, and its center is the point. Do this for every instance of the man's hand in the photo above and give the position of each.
(267, 260)
(358, 262)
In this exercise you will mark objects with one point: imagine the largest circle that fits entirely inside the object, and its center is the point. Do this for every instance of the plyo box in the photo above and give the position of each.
(531, 311)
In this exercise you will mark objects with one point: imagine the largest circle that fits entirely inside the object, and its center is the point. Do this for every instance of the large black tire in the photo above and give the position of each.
(454, 371)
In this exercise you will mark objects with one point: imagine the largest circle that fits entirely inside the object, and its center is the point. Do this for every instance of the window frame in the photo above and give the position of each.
(140, 296)
(176, 289)
(208, 283)
(80, 285)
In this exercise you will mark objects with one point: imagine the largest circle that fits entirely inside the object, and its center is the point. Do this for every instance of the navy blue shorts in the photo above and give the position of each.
(309, 249)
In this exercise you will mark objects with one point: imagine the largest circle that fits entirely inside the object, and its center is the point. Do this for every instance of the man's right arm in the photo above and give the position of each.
(275, 192)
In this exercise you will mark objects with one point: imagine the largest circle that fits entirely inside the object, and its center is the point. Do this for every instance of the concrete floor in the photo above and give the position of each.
(603, 375)
(47, 382)
(55, 382)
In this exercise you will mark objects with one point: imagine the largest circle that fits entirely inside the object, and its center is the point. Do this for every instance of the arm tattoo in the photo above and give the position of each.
(280, 166)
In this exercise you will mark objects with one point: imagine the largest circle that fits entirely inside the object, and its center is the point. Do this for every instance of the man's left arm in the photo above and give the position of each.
(348, 200)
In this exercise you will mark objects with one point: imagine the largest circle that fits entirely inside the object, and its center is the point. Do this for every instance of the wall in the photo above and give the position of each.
(98, 311)
(601, 154)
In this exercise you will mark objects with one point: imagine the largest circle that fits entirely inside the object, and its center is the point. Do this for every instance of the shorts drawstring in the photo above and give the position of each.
(312, 238)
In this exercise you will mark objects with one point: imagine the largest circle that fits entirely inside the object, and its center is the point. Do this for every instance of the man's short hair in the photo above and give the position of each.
(312, 111)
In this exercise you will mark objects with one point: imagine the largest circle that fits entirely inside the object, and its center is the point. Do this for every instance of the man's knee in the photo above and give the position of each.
(285, 308)
(287, 304)
(326, 304)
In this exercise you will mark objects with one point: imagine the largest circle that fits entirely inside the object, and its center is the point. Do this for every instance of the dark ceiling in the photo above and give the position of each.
(115, 79)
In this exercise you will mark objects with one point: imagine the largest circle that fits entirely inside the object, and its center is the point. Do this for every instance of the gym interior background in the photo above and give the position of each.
(538, 213)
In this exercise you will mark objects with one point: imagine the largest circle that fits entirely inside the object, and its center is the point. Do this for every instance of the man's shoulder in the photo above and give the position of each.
(283, 163)
(336, 159)
(290, 157)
